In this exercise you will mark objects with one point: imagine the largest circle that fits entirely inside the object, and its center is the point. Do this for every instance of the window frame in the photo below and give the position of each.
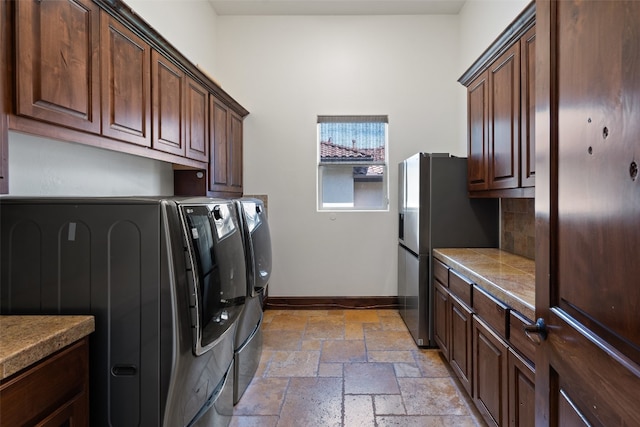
(322, 167)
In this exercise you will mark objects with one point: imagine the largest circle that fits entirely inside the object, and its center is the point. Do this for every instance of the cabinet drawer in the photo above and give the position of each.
(460, 286)
(492, 311)
(518, 338)
(441, 272)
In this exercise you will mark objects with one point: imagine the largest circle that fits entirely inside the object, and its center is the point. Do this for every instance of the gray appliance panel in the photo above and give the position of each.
(248, 341)
(92, 260)
(412, 285)
(247, 356)
(221, 409)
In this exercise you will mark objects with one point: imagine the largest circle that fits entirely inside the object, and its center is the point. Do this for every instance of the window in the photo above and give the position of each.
(352, 163)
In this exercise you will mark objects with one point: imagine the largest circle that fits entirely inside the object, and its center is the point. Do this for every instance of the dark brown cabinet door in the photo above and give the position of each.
(126, 83)
(478, 125)
(57, 62)
(197, 116)
(219, 154)
(504, 120)
(490, 374)
(5, 35)
(528, 109)
(236, 152)
(522, 395)
(587, 211)
(441, 318)
(167, 82)
(501, 113)
(460, 349)
(225, 159)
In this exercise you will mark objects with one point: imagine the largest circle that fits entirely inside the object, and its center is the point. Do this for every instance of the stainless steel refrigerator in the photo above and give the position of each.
(435, 212)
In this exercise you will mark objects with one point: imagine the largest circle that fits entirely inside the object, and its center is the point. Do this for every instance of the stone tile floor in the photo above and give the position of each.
(349, 368)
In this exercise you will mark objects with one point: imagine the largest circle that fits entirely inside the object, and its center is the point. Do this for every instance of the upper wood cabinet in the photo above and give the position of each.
(225, 163)
(197, 118)
(500, 101)
(95, 73)
(504, 120)
(168, 105)
(478, 127)
(180, 104)
(223, 178)
(57, 62)
(528, 109)
(236, 161)
(126, 83)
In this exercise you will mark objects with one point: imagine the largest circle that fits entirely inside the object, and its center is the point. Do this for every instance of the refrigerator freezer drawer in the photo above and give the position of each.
(413, 294)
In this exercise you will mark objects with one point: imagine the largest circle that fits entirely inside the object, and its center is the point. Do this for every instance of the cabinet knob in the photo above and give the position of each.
(536, 332)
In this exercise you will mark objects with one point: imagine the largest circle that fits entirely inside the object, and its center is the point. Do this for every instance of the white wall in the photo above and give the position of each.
(481, 22)
(286, 71)
(40, 166)
(189, 25)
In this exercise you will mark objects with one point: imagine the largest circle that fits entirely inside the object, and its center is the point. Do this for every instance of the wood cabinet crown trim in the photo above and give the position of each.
(520, 25)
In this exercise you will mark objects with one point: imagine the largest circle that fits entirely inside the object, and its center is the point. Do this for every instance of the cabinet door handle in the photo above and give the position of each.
(536, 332)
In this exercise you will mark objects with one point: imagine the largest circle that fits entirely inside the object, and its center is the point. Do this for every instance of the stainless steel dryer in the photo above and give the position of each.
(257, 248)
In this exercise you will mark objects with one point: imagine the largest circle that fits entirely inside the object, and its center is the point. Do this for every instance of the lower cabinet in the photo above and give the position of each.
(52, 393)
(490, 383)
(486, 347)
(441, 314)
(460, 355)
(522, 394)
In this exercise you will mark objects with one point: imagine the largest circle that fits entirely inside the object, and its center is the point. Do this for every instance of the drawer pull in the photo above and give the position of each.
(536, 332)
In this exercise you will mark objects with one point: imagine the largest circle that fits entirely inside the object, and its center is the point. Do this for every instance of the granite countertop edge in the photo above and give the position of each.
(25, 340)
(476, 263)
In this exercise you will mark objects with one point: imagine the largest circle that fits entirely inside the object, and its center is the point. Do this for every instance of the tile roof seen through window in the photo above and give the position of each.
(330, 152)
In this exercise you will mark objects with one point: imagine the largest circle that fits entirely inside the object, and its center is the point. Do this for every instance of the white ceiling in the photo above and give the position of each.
(337, 7)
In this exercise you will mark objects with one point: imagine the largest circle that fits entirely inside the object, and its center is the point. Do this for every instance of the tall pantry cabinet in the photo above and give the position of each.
(5, 42)
(587, 210)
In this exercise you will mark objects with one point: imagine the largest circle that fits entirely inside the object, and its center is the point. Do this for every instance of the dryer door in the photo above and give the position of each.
(259, 242)
(218, 265)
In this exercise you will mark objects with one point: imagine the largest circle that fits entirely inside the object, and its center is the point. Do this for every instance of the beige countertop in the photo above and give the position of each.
(508, 277)
(25, 340)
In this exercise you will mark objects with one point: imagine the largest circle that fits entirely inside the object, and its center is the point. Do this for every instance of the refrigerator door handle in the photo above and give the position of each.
(401, 227)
